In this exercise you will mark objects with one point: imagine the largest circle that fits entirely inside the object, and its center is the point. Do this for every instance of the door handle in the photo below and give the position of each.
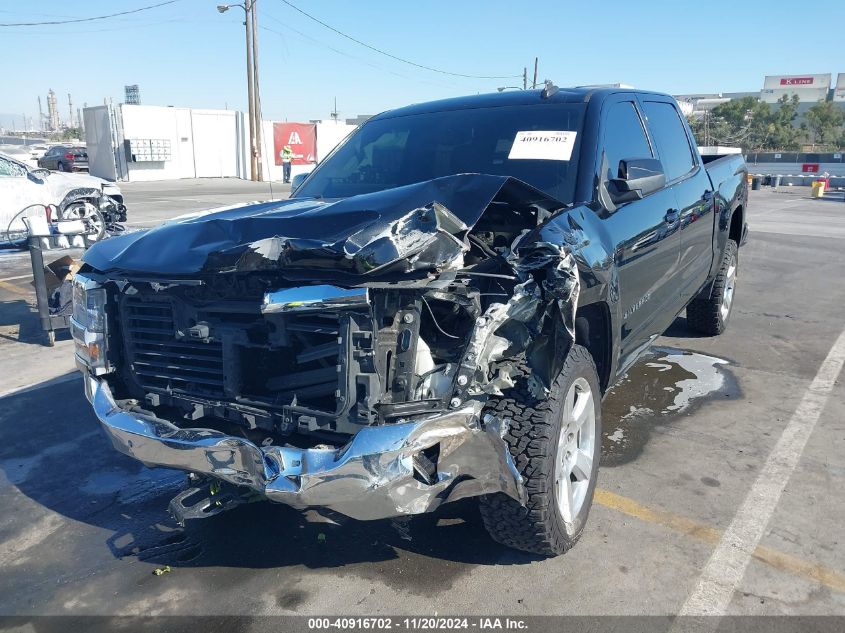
(671, 216)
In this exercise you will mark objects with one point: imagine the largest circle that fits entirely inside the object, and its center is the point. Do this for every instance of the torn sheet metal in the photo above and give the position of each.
(504, 330)
(410, 228)
(537, 320)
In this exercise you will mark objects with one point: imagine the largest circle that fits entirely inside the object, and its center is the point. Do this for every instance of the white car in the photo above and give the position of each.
(21, 153)
(24, 190)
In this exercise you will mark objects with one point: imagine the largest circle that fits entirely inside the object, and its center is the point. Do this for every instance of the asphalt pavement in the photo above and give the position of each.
(721, 484)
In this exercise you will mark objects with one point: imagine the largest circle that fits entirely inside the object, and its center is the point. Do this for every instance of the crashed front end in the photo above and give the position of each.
(343, 365)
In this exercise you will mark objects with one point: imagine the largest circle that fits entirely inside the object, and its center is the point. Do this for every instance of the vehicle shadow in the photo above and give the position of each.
(21, 313)
(98, 486)
(681, 329)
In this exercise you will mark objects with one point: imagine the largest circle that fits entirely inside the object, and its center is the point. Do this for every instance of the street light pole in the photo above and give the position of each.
(253, 164)
(256, 92)
(250, 27)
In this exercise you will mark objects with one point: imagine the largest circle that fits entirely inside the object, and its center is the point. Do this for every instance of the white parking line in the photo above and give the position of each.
(727, 564)
(29, 276)
(35, 534)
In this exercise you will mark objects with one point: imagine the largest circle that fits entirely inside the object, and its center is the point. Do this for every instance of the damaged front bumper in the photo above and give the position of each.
(383, 471)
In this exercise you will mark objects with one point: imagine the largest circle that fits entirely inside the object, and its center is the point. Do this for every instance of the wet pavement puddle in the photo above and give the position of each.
(666, 384)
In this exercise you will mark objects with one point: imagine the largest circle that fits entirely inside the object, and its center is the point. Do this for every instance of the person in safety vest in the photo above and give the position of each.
(286, 155)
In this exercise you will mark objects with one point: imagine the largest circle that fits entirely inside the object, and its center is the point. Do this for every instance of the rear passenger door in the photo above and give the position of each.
(644, 233)
(693, 191)
(49, 159)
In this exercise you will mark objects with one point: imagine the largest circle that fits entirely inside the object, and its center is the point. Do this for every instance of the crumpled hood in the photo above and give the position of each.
(418, 227)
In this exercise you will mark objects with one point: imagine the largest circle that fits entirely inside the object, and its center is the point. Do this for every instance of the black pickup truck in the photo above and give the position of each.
(434, 314)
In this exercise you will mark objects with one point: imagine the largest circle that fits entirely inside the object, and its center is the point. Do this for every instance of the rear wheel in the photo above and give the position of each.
(709, 312)
(556, 445)
(62, 167)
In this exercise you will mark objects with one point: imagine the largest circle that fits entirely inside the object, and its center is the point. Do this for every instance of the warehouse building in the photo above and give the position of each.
(810, 89)
(132, 143)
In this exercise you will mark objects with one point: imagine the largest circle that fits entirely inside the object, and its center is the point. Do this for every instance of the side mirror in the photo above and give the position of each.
(37, 175)
(638, 177)
(296, 182)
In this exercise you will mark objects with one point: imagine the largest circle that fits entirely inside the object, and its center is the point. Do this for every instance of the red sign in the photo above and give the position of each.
(300, 137)
(810, 168)
(796, 81)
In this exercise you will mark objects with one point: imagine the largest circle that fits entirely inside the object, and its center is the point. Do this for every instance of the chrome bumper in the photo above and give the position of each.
(371, 477)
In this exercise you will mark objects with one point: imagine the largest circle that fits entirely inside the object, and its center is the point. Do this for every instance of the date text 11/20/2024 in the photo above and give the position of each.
(417, 623)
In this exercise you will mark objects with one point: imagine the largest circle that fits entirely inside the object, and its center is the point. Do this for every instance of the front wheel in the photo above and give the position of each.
(556, 445)
(92, 220)
(709, 312)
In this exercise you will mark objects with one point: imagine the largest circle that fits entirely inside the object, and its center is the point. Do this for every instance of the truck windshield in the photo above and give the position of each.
(402, 150)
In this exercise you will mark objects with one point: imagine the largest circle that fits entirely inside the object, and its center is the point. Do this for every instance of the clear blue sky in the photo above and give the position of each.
(186, 54)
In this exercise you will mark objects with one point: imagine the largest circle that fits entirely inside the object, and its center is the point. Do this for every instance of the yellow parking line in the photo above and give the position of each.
(800, 567)
(779, 560)
(5, 285)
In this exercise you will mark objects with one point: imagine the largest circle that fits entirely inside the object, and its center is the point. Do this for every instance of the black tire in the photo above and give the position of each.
(534, 431)
(710, 311)
(62, 167)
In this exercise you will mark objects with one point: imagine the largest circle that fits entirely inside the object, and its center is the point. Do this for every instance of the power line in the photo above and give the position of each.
(91, 19)
(347, 55)
(400, 59)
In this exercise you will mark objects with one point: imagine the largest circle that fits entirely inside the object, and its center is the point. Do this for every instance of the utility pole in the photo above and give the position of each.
(525, 78)
(253, 96)
(40, 115)
(257, 93)
(534, 83)
(253, 165)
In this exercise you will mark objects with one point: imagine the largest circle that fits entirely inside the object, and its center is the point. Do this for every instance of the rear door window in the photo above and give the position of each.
(624, 137)
(670, 137)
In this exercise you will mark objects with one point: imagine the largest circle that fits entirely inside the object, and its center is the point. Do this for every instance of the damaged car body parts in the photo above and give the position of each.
(326, 360)
(26, 192)
(433, 315)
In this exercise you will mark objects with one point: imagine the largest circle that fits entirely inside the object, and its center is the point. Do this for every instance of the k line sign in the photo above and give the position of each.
(796, 81)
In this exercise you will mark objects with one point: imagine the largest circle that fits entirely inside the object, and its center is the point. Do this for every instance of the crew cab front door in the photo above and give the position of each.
(644, 233)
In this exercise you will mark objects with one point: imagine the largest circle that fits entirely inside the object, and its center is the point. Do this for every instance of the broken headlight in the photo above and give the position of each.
(88, 324)
(89, 304)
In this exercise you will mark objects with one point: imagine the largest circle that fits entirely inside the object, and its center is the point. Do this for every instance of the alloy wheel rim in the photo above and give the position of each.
(91, 219)
(576, 445)
(728, 292)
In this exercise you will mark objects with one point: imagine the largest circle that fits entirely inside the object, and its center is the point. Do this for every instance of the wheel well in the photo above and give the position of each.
(592, 330)
(735, 233)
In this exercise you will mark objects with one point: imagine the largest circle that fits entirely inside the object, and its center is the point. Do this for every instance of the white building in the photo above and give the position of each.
(809, 88)
(140, 143)
(839, 89)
